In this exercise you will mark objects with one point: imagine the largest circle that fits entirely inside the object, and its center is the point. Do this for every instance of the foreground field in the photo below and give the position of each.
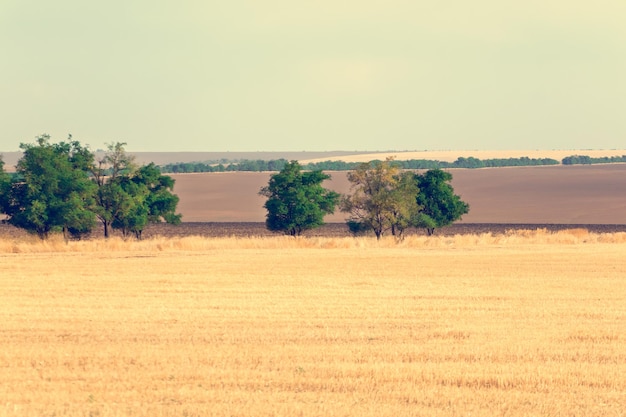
(515, 324)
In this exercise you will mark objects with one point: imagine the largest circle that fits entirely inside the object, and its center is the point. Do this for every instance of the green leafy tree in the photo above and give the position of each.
(52, 190)
(132, 213)
(5, 186)
(152, 201)
(296, 200)
(439, 205)
(129, 197)
(382, 198)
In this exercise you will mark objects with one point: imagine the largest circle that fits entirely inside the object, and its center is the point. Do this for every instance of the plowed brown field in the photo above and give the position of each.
(529, 195)
(554, 197)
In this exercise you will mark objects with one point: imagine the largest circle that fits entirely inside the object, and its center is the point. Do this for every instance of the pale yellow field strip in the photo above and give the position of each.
(452, 155)
(478, 326)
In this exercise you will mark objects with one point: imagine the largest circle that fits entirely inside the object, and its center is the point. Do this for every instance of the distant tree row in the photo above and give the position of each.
(258, 165)
(278, 164)
(461, 162)
(383, 198)
(61, 187)
(586, 160)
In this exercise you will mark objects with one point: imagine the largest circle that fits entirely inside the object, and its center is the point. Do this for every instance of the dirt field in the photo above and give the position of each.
(593, 194)
(556, 197)
(521, 324)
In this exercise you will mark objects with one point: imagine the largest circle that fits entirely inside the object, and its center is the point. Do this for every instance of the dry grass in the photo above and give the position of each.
(32, 244)
(518, 324)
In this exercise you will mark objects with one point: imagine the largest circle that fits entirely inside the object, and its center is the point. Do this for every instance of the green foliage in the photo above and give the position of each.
(52, 190)
(405, 208)
(358, 228)
(382, 198)
(296, 200)
(586, 160)
(151, 201)
(223, 166)
(60, 187)
(278, 164)
(112, 200)
(5, 186)
(439, 205)
(131, 197)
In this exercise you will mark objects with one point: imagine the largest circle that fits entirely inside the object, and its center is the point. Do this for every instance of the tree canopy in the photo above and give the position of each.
(151, 200)
(52, 190)
(61, 187)
(382, 198)
(439, 206)
(5, 186)
(296, 200)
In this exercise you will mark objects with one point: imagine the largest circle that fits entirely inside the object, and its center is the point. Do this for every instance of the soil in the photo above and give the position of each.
(584, 194)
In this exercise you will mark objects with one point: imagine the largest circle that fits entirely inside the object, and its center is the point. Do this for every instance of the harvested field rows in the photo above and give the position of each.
(518, 324)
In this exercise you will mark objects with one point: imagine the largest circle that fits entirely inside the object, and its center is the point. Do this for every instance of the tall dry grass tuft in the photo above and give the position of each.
(31, 244)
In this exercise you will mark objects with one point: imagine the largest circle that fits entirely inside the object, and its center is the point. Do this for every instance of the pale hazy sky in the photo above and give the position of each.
(278, 75)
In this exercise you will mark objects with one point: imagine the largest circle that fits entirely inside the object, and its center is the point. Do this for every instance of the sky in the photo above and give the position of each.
(323, 75)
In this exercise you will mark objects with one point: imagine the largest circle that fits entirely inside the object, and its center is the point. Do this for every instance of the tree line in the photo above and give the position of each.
(273, 165)
(383, 198)
(257, 165)
(62, 187)
(587, 160)
(278, 164)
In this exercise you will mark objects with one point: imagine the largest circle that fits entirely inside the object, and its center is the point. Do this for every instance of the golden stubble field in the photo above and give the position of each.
(530, 323)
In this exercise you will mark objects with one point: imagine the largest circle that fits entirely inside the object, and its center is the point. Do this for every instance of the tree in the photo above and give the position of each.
(296, 200)
(52, 190)
(404, 208)
(5, 186)
(112, 200)
(439, 205)
(152, 200)
(129, 197)
(61, 187)
(382, 198)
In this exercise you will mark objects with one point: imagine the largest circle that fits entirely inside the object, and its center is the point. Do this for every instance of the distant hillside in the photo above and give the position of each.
(163, 158)
(452, 155)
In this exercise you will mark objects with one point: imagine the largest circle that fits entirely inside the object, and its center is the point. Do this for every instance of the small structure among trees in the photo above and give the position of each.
(296, 200)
